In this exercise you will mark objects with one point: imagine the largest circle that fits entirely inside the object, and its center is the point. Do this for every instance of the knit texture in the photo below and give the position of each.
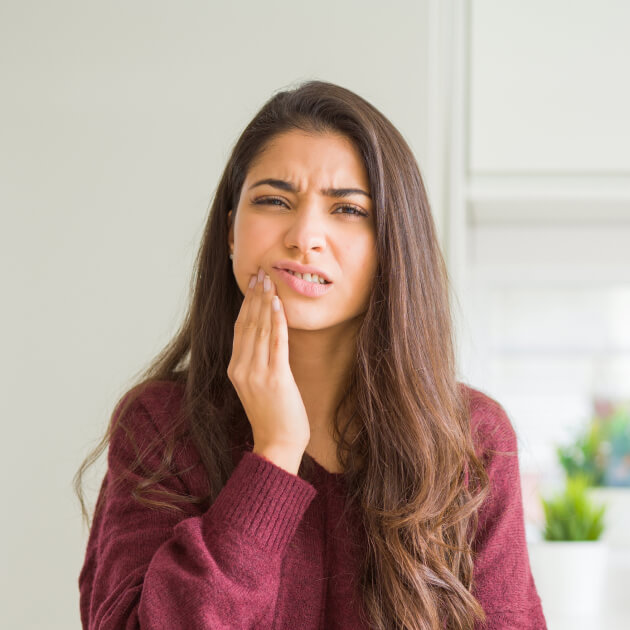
(274, 550)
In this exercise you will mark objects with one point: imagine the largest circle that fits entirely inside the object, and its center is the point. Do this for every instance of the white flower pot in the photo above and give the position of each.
(569, 575)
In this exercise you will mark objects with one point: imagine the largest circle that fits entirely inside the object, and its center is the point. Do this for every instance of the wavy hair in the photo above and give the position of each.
(411, 467)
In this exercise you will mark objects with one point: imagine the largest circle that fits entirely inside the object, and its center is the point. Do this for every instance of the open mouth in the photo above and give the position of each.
(307, 277)
(309, 288)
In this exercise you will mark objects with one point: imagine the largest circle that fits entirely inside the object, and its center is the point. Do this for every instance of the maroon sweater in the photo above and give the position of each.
(275, 550)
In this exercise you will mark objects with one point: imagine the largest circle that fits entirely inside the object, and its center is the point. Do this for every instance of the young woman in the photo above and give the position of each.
(301, 454)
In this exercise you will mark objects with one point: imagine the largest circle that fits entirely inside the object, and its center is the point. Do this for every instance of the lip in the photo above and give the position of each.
(293, 266)
(304, 287)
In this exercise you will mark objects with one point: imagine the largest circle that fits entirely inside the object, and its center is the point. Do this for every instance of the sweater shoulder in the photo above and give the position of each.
(155, 432)
(490, 426)
(158, 397)
(145, 420)
(156, 401)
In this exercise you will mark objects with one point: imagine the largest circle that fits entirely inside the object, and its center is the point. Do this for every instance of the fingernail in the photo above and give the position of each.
(275, 303)
(252, 282)
(261, 274)
(266, 283)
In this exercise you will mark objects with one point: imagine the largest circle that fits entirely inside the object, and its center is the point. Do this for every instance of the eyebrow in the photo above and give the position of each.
(329, 192)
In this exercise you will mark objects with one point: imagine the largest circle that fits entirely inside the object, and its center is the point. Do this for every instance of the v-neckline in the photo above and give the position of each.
(322, 470)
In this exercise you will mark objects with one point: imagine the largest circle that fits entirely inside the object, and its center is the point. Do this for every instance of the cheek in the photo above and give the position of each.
(253, 239)
(254, 231)
(361, 259)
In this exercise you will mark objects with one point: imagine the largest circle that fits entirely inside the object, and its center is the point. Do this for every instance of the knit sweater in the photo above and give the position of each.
(275, 550)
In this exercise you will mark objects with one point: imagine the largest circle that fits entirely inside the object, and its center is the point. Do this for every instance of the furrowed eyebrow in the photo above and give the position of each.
(344, 192)
(330, 192)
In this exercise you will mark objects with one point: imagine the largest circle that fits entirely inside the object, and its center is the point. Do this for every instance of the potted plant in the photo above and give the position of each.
(569, 564)
(586, 455)
(602, 452)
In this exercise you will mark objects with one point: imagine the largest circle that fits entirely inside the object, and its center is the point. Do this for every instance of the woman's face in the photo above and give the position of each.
(300, 219)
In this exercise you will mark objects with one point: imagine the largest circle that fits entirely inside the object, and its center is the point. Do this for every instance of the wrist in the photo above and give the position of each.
(282, 456)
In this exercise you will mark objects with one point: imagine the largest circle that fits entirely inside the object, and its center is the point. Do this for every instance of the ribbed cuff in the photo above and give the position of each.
(262, 501)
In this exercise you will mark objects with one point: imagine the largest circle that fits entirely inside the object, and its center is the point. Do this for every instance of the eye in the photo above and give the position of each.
(350, 210)
(357, 212)
(261, 201)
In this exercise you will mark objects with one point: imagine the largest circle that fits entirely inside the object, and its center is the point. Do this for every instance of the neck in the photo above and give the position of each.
(320, 361)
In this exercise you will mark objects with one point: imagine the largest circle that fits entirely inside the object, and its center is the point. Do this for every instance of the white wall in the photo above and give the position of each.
(548, 86)
(116, 121)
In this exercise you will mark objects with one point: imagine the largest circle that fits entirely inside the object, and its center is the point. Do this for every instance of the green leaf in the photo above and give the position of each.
(571, 515)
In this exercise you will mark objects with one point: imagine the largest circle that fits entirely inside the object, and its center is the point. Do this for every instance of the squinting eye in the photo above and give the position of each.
(267, 200)
(354, 211)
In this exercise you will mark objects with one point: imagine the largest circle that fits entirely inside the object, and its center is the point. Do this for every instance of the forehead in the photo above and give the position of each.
(327, 159)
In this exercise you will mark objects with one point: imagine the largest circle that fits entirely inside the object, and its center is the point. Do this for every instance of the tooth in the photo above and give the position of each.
(308, 277)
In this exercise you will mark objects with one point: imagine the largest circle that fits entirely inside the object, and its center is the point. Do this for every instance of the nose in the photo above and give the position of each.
(307, 230)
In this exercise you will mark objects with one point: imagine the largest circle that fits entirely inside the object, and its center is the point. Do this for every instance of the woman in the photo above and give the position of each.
(301, 454)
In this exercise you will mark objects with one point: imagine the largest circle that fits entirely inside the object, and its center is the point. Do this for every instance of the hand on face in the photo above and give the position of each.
(260, 372)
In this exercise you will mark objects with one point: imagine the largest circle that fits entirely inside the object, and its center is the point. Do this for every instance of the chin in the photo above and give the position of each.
(299, 323)
(313, 324)
(301, 319)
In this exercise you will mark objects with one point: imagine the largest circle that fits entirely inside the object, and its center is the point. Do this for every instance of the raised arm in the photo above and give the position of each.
(157, 570)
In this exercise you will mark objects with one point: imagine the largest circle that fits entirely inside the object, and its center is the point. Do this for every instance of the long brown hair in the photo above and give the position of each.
(411, 467)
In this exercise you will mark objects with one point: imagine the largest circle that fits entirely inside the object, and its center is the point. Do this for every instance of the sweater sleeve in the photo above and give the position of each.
(503, 579)
(156, 570)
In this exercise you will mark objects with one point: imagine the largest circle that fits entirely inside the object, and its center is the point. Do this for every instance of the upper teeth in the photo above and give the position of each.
(308, 277)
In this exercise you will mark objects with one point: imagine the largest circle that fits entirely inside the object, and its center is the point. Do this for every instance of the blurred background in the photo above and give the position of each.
(117, 119)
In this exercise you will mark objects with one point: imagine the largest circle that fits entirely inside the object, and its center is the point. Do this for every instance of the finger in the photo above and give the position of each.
(242, 316)
(248, 336)
(260, 356)
(279, 340)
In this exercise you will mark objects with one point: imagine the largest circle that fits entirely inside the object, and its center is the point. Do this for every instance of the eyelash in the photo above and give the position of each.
(266, 200)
